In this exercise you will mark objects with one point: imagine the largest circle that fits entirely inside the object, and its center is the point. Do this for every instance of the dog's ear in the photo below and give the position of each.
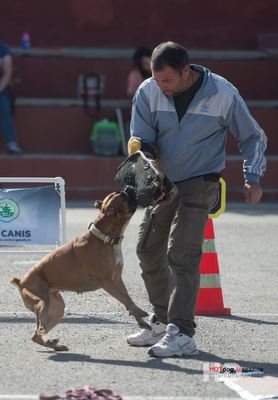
(98, 204)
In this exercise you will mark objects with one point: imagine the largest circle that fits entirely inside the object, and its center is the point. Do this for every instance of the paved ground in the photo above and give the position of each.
(246, 242)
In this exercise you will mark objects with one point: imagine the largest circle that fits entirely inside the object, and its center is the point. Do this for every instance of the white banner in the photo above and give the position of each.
(29, 216)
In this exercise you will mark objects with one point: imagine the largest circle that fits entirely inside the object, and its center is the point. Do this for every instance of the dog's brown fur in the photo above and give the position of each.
(84, 264)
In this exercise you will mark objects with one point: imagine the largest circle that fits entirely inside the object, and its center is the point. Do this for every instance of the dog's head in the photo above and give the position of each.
(150, 184)
(119, 204)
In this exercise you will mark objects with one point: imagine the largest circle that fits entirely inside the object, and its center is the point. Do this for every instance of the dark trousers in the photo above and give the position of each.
(171, 235)
(7, 125)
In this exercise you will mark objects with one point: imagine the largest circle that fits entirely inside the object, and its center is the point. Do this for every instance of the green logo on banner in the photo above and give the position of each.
(9, 210)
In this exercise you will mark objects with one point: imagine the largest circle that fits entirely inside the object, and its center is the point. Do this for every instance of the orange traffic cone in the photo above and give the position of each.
(210, 300)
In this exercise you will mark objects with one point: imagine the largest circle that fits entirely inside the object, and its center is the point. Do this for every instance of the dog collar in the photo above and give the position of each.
(105, 238)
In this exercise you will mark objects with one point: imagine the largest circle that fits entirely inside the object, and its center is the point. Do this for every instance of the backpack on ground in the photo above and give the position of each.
(106, 138)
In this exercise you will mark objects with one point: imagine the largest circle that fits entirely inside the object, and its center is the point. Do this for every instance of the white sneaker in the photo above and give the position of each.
(13, 148)
(148, 337)
(174, 343)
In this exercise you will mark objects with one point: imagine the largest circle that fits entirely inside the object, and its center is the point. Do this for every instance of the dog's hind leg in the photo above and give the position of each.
(56, 310)
(40, 307)
(118, 290)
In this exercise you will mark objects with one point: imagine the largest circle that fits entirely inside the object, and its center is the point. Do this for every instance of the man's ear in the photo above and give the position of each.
(98, 204)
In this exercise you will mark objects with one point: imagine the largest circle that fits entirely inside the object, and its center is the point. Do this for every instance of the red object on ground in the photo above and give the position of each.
(210, 299)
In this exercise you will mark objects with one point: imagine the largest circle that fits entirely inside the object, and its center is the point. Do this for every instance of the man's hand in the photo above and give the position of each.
(252, 192)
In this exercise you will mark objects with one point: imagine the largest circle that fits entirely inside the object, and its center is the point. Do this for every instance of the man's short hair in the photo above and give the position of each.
(169, 54)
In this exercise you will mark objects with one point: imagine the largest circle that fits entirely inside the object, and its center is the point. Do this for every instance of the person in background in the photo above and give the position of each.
(185, 111)
(7, 125)
(140, 71)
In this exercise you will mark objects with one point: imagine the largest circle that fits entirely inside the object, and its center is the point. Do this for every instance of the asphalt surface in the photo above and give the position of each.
(96, 331)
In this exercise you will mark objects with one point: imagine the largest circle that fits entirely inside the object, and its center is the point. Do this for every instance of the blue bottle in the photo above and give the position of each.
(25, 41)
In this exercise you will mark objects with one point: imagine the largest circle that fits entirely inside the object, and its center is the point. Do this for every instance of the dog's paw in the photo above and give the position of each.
(61, 347)
(138, 313)
(144, 314)
(143, 324)
(53, 343)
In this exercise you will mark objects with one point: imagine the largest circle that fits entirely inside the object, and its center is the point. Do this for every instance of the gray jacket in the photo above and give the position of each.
(196, 145)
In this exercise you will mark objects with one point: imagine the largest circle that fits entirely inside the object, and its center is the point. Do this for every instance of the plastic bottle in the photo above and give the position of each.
(25, 41)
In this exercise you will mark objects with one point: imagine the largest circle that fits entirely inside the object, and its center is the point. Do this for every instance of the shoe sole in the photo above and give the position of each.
(152, 354)
(139, 345)
(156, 340)
(144, 344)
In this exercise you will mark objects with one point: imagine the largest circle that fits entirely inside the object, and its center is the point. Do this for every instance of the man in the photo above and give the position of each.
(185, 111)
(7, 125)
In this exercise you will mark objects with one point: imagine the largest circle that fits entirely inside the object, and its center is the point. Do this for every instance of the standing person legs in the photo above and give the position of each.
(152, 252)
(173, 291)
(7, 123)
(196, 196)
(185, 249)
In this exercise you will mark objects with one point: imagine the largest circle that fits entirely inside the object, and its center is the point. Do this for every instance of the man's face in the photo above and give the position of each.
(172, 82)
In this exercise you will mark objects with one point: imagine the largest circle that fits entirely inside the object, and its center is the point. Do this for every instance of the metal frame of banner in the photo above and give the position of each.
(58, 181)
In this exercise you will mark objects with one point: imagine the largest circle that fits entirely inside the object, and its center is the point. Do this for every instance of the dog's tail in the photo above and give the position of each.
(15, 281)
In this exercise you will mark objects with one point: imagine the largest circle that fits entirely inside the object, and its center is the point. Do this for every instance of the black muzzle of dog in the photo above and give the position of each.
(150, 184)
(129, 192)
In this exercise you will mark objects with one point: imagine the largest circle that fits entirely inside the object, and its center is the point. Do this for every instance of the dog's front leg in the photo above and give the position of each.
(118, 290)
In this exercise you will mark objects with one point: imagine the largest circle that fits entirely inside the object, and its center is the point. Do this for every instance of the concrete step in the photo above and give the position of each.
(56, 129)
(86, 177)
(57, 77)
(62, 126)
(90, 178)
(125, 53)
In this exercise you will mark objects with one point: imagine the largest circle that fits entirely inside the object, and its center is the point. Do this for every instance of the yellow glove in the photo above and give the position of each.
(148, 148)
(134, 144)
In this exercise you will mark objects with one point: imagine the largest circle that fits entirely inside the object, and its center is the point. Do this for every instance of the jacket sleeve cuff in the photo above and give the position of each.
(251, 177)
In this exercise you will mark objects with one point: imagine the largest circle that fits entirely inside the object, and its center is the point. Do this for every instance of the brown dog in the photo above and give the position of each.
(89, 262)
